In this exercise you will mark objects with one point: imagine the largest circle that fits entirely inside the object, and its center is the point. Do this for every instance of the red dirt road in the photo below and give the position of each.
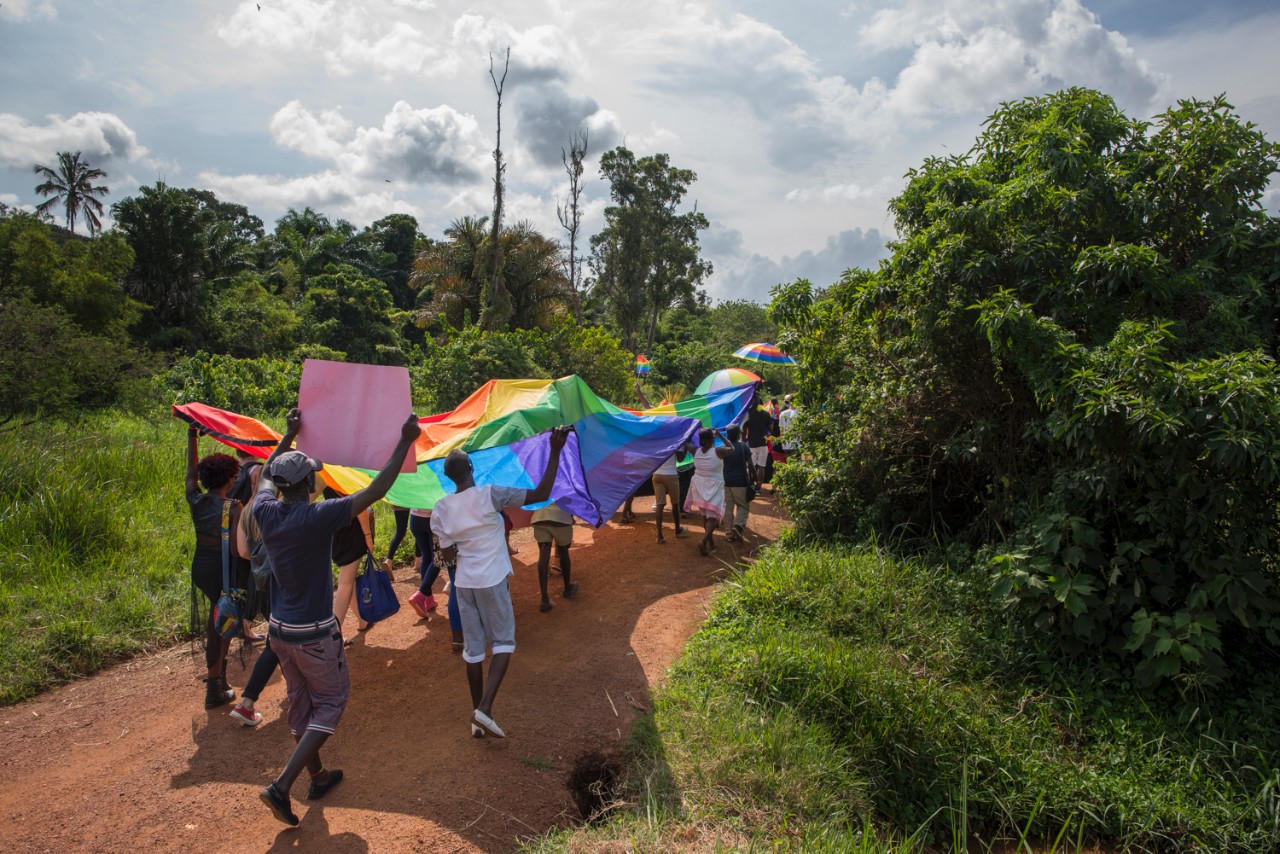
(129, 760)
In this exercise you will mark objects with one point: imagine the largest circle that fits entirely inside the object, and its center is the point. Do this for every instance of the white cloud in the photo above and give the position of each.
(438, 145)
(27, 10)
(100, 137)
(352, 37)
(751, 276)
(965, 57)
(879, 191)
(970, 54)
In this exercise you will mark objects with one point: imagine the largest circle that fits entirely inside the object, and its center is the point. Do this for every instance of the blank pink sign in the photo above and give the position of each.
(352, 414)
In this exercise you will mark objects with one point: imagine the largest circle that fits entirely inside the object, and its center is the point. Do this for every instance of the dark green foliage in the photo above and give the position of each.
(1069, 358)
(250, 386)
(351, 313)
(243, 318)
(163, 226)
(64, 321)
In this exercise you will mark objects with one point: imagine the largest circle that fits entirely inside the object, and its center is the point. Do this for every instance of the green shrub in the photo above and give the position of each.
(1068, 360)
(250, 386)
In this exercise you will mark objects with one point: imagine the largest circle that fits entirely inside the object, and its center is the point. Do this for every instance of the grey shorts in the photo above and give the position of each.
(664, 485)
(561, 535)
(316, 679)
(487, 620)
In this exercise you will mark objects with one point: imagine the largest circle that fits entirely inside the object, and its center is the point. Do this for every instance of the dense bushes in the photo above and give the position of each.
(1067, 364)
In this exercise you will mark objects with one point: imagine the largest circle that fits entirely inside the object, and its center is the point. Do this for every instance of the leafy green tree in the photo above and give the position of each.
(646, 257)
(397, 236)
(1068, 363)
(352, 314)
(164, 227)
(70, 184)
(82, 277)
(244, 319)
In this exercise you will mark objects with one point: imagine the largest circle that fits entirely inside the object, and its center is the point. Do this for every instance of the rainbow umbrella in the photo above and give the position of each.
(642, 365)
(725, 378)
(764, 353)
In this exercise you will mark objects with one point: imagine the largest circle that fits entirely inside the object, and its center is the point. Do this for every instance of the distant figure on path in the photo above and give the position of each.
(469, 526)
(739, 477)
(304, 632)
(706, 490)
(552, 524)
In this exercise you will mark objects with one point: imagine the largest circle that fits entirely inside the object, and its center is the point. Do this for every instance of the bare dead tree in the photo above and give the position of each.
(496, 312)
(570, 211)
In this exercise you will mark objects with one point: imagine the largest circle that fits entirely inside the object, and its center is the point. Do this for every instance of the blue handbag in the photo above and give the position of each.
(375, 597)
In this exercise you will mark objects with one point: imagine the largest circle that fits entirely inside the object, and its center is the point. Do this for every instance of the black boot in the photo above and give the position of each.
(222, 683)
(216, 694)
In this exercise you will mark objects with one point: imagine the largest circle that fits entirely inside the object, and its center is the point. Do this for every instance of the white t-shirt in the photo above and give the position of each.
(668, 466)
(472, 520)
(785, 417)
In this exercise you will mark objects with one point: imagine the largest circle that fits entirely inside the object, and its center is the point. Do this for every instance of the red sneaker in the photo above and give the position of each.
(248, 717)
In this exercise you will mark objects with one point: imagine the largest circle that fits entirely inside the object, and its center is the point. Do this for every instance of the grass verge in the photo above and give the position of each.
(95, 547)
(841, 700)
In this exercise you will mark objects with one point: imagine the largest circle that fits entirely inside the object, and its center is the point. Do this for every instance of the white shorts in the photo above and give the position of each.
(760, 456)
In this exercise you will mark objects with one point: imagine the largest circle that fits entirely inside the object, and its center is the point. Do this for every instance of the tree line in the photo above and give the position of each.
(184, 275)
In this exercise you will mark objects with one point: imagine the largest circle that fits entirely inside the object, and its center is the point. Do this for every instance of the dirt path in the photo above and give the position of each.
(129, 760)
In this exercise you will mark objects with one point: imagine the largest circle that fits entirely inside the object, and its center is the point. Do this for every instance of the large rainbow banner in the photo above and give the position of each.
(503, 426)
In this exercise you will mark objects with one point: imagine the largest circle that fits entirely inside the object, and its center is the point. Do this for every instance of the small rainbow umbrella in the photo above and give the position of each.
(764, 353)
(725, 378)
(642, 365)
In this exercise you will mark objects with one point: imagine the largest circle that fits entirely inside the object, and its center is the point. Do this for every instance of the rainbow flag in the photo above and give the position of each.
(504, 424)
(642, 365)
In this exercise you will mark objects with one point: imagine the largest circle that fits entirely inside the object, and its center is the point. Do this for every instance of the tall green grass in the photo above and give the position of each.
(95, 547)
(837, 699)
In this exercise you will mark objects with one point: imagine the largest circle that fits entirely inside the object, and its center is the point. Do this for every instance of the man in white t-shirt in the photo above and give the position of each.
(785, 419)
(468, 525)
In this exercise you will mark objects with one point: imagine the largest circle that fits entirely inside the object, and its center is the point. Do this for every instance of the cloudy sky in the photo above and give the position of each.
(799, 119)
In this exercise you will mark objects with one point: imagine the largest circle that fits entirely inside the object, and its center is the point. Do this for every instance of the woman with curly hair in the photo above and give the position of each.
(215, 473)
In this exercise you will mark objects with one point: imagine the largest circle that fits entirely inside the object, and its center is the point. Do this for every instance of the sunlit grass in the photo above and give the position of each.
(841, 700)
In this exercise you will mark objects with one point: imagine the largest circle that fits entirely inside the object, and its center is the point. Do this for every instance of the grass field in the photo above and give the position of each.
(839, 700)
(95, 546)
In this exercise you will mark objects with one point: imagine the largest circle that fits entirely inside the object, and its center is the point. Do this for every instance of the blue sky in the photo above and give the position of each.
(799, 119)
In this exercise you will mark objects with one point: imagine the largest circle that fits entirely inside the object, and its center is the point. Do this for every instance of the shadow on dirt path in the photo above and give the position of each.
(130, 760)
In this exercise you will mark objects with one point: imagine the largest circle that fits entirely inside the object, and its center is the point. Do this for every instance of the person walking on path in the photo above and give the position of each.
(706, 490)
(469, 527)
(303, 631)
(739, 478)
(249, 544)
(759, 428)
(666, 481)
(211, 512)
(402, 527)
(553, 524)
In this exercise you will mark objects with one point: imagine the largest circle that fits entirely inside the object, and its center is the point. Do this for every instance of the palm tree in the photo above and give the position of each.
(71, 184)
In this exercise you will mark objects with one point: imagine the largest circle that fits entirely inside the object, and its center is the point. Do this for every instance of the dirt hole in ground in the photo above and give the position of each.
(595, 782)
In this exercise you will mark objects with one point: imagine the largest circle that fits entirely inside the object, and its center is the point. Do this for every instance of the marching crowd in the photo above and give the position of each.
(269, 536)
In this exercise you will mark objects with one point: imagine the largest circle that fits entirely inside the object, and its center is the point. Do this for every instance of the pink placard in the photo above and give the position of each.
(352, 414)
